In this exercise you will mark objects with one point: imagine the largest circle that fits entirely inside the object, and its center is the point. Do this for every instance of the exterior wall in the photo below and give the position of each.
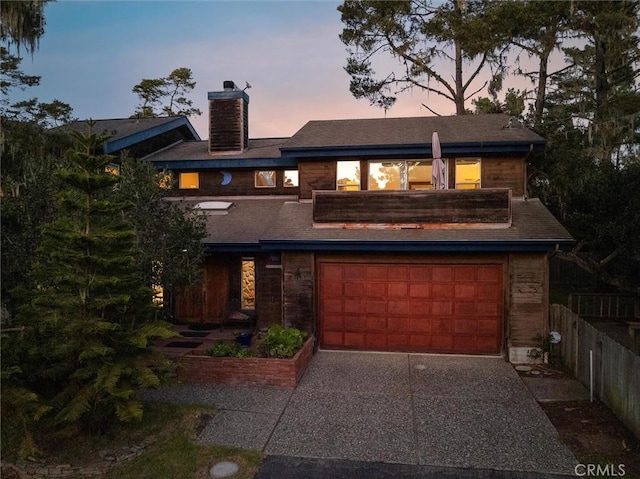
(503, 173)
(268, 273)
(316, 175)
(495, 173)
(242, 184)
(528, 302)
(298, 290)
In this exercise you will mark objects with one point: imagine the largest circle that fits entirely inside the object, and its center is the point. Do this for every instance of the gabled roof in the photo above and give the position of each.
(494, 133)
(261, 153)
(383, 137)
(127, 132)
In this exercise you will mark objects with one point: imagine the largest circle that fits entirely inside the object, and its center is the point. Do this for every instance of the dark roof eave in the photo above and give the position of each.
(127, 141)
(418, 246)
(225, 163)
(232, 247)
(416, 149)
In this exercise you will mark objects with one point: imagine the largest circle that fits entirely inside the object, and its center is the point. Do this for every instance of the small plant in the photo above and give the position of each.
(547, 353)
(282, 342)
(228, 350)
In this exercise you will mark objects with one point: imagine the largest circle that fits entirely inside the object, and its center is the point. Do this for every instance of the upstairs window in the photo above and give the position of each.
(400, 175)
(348, 176)
(189, 181)
(112, 168)
(467, 173)
(265, 179)
(290, 178)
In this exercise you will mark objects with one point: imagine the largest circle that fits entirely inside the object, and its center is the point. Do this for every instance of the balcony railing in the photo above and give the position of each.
(439, 207)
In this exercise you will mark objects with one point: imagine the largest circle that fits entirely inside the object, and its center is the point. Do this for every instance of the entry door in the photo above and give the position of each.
(206, 302)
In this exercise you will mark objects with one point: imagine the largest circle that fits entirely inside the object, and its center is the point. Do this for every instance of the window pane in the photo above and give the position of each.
(265, 179)
(290, 178)
(165, 180)
(189, 181)
(386, 175)
(348, 175)
(467, 174)
(112, 168)
(419, 175)
(248, 284)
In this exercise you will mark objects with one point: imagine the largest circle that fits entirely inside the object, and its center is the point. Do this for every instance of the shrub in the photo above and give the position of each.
(228, 350)
(282, 342)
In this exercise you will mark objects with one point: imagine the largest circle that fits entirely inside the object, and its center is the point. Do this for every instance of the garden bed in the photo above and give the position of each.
(255, 371)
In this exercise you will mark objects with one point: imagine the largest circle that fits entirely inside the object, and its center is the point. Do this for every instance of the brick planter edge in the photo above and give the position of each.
(246, 371)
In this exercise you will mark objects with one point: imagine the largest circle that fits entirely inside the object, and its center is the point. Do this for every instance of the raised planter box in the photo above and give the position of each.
(246, 371)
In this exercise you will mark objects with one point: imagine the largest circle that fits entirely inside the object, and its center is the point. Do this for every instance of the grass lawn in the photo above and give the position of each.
(174, 453)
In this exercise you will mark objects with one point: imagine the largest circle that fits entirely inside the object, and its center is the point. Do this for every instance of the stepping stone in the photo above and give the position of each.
(524, 369)
(223, 469)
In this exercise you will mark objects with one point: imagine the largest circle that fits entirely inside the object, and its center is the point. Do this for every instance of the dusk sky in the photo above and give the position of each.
(94, 52)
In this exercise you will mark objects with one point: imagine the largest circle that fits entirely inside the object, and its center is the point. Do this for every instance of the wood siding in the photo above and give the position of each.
(229, 124)
(503, 173)
(242, 184)
(528, 298)
(298, 290)
(461, 206)
(268, 275)
(316, 175)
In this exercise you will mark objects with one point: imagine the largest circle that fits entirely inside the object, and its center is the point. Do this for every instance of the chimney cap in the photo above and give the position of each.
(228, 85)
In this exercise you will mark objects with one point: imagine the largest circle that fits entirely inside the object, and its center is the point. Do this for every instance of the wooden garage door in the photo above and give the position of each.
(414, 307)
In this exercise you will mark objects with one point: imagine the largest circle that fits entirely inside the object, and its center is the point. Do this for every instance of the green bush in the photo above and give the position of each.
(282, 342)
(229, 350)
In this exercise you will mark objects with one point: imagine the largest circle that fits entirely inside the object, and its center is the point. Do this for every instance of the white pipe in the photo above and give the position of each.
(591, 375)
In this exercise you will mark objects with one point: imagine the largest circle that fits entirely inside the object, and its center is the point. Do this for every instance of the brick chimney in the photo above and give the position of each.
(228, 119)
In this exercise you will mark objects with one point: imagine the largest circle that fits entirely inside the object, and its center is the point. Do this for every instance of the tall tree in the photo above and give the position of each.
(90, 323)
(169, 234)
(166, 95)
(537, 29)
(22, 23)
(420, 34)
(599, 90)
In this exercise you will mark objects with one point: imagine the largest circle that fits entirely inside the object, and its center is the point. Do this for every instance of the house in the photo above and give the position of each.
(338, 231)
(139, 137)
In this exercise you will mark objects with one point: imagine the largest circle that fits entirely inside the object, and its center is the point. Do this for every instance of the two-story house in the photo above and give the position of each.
(338, 231)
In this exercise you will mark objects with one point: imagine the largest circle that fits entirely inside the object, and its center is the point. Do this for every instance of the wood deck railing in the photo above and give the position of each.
(605, 306)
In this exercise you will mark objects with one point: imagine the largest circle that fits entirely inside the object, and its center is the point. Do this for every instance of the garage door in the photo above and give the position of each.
(414, 307)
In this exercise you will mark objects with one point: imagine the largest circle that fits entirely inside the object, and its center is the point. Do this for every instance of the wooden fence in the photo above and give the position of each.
(605, 306)
(616, 369)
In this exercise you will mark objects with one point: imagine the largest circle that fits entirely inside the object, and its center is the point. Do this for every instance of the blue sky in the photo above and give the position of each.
(94, 51)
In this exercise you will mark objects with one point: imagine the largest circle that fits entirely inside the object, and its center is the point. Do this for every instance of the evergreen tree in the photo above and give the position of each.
(88, 328)
(166, 95)
(421, 35)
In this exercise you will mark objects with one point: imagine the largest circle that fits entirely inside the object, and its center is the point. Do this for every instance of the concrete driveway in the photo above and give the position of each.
(424, 410)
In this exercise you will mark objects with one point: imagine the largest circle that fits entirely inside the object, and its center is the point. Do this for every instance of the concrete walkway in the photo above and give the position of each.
(422, 410)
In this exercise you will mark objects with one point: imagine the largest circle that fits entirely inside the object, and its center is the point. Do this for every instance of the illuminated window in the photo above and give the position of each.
(265, 179)
(113, 169)
(189, 181)
(400, 175)
(165, 180)
(348, 175)
(290, 178)
(468, 174)
(248, 283)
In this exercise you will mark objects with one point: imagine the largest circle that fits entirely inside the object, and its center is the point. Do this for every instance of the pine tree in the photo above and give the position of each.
(91, 321)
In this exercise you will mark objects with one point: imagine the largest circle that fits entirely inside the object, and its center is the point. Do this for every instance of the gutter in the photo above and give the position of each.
(547, 245)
